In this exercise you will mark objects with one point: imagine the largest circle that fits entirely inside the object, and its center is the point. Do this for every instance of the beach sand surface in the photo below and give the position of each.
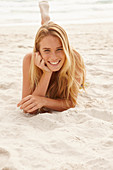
(77, 139)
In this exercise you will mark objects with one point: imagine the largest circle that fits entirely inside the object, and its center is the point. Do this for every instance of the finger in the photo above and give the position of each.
(28, 102)
(35, 53)
(42, 63)
(35, 58)
(24, 100)
(18, 104)
(39, 62)
(30, 107)
(33, 109)
(44, 66)
(38, 59)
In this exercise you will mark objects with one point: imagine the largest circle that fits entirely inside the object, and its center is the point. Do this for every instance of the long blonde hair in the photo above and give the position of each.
(64, 83)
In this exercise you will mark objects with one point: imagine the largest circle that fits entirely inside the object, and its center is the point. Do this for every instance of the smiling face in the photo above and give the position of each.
(52, 52)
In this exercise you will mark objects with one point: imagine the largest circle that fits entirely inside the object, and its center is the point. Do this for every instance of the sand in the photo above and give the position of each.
(77, 139)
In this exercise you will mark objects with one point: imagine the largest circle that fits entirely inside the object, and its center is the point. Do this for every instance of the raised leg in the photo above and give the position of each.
(44, 10)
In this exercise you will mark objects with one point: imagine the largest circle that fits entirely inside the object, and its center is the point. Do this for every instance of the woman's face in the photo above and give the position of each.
(52, 52)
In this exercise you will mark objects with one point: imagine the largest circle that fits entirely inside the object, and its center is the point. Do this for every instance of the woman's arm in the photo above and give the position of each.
(32, 103)
(57, 104)
(42, 86)
(26, 90)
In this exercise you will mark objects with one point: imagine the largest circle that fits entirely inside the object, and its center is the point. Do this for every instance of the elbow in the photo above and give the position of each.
(71, 104)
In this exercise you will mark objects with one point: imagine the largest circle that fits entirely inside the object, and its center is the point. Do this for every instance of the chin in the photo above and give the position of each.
(55, 70)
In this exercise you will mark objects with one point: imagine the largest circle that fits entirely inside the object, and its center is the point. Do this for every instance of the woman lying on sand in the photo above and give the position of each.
(54, 72)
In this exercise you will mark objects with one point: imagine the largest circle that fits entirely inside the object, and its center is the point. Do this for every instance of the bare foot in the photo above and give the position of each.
(44, 10)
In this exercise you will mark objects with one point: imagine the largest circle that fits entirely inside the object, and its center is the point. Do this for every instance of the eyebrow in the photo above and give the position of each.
(60, 47)
(45, 48)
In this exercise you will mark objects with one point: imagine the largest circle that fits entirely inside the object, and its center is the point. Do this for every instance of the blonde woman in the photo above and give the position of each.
(53, 73)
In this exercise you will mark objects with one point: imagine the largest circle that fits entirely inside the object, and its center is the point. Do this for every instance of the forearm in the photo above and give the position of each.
(43, 84)
(57, 104)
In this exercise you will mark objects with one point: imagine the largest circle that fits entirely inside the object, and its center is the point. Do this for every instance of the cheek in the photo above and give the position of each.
(44, 56)
(63, 57)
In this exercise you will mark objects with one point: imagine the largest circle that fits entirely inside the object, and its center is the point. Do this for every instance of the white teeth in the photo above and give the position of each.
(54, 62)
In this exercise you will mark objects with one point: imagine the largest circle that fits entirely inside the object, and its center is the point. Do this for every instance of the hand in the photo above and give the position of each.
(39, 62)
(31, 103)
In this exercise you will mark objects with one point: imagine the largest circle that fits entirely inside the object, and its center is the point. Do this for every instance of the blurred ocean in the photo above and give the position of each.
(25, 12)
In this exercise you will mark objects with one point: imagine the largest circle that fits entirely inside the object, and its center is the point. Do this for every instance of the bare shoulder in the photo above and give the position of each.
(27, 59)
(27, 63)
(26, 76)
(77, 55)
(80, 66)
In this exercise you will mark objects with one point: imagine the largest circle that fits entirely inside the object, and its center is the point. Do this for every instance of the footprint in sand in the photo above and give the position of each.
(4, 156)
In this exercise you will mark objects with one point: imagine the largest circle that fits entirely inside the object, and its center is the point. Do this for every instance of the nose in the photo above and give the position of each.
(54, 56)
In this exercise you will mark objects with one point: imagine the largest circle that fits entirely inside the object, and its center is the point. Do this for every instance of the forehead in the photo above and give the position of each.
(50, 41)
